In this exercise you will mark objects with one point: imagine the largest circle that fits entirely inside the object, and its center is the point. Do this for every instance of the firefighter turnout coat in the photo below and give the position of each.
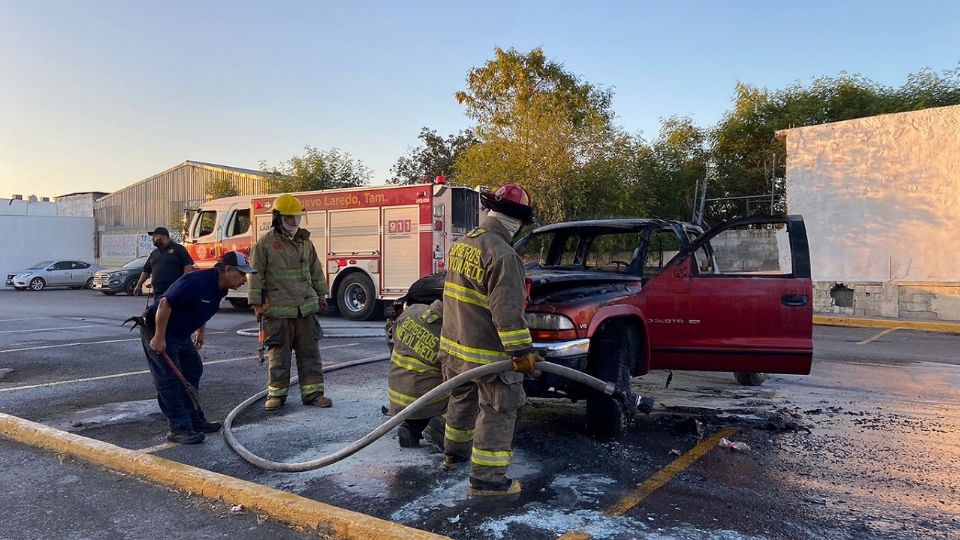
(484, 298)
(414, 364)
(291, 274)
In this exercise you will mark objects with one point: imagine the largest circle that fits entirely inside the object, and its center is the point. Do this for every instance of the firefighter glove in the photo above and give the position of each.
(526, 363)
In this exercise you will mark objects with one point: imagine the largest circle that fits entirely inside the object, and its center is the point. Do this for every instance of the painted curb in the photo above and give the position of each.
(313, 516)
(862, 322)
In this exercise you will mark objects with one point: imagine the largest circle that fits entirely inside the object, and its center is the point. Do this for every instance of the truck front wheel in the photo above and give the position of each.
(606, 417)
(356, 298)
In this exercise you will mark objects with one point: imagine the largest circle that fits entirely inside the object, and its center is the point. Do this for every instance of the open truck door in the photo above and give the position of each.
(738, 298)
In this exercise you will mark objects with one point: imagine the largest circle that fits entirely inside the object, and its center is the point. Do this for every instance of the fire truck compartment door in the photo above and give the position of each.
(401, 246)
(355, 232)
(316, 224)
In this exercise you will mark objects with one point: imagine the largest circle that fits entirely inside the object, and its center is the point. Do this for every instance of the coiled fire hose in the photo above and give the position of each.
(607, 388)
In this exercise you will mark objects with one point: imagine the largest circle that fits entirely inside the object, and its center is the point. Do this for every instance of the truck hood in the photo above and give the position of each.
(560, 285)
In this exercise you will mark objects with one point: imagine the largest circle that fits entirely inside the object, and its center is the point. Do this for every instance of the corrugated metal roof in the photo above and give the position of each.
(188, 163)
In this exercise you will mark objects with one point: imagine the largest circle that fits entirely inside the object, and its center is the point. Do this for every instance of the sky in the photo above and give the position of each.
(96, 95)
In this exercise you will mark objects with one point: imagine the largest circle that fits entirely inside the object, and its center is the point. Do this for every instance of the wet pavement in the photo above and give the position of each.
(868, 446)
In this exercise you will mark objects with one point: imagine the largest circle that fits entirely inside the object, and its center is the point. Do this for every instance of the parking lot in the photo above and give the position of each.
(867, 446)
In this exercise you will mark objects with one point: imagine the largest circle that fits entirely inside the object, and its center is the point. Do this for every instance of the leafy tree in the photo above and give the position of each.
(751, 161)
(539, 125)
(222, 187)
(435, 157)
(317, 169)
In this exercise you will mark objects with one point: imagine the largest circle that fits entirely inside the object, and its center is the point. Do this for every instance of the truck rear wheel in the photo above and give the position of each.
(356, 298)
(610, 361)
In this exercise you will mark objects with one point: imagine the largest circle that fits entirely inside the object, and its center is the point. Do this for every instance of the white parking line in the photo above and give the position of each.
(50, 329)
(41, 347)
(67, 345)
(158, 447)
(144, 372)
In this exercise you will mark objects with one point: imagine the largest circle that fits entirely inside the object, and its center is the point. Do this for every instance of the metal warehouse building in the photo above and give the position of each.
(123, 217)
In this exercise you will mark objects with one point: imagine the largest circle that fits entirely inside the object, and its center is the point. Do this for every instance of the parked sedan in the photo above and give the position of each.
(73, 274)
(120, 279)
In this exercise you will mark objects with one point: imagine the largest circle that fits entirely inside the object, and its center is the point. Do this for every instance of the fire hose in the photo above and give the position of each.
(607, 388)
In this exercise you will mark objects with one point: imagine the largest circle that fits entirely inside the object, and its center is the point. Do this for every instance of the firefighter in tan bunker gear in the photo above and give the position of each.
(290, 291)
(415, 370)
(483, 323)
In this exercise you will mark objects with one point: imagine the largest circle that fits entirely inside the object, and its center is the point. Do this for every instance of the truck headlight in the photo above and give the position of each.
(547, 321)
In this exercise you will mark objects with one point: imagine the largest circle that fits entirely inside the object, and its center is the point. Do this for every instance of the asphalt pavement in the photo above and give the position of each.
(867, 446)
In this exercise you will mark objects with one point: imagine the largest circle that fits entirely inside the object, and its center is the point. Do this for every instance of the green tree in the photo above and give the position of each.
(751, 161)
(434, 157)
(539, 125)
(221, 187)
(317, 169)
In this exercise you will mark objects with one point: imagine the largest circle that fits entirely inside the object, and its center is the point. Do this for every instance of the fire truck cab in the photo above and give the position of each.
(373, 242)
(219, 226)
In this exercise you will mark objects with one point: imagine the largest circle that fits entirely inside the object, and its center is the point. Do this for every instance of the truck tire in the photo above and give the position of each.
(130, 285)
(750, 378)
(239, 303)
(356, 298)
(37, 284)
(107, 293)
(610, 361)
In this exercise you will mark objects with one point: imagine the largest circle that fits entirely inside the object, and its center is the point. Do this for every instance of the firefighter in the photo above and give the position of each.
(483, 323)
(415, 370)
(290, 291)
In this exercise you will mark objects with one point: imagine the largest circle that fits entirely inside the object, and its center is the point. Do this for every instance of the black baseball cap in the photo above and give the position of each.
(160, 230)
(237, 260)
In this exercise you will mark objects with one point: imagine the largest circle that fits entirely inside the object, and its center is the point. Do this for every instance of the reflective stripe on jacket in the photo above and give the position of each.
(414, 365)
(484, 298)
(291, 274)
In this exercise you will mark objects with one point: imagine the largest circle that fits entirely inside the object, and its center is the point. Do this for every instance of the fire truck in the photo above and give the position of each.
(373, 242)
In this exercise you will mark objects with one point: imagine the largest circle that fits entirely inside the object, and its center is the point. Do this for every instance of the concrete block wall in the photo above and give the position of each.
(926, 301)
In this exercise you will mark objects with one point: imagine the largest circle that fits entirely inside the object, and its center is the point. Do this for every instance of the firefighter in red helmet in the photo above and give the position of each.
(483, 298)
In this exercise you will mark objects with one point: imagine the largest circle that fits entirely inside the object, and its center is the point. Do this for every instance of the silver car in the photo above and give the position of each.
(73, 274)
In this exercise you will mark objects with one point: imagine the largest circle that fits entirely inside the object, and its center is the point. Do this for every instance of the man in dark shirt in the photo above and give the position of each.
(165, 264)
(184, 309)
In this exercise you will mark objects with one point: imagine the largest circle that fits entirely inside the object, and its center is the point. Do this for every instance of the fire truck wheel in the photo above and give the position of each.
(356, 297)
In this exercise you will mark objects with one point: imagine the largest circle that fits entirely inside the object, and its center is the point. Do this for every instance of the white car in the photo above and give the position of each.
(73, 274)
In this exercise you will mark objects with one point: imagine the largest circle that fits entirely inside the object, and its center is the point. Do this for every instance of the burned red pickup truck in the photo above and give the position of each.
(617, 298)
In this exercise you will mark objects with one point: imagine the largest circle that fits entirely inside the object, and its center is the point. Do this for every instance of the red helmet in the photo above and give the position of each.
(511, 200)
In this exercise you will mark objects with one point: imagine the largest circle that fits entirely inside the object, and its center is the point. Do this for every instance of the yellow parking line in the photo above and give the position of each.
(664, 475)
(879, 335)
(658, 480)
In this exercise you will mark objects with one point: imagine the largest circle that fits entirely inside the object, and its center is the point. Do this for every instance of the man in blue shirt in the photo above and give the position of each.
(185, 308)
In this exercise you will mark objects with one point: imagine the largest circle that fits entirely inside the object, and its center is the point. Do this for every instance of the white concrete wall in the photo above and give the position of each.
(26, 240)
(880, 195)
(11, 207)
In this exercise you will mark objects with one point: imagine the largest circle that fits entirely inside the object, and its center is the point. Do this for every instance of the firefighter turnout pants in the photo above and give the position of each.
(481, 417)
(301, 336)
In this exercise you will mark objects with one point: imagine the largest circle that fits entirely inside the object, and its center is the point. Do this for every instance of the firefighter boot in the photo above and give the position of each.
(320, 401)
(407, 438)
(451, 461)
(479, 488)
(273, 403)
